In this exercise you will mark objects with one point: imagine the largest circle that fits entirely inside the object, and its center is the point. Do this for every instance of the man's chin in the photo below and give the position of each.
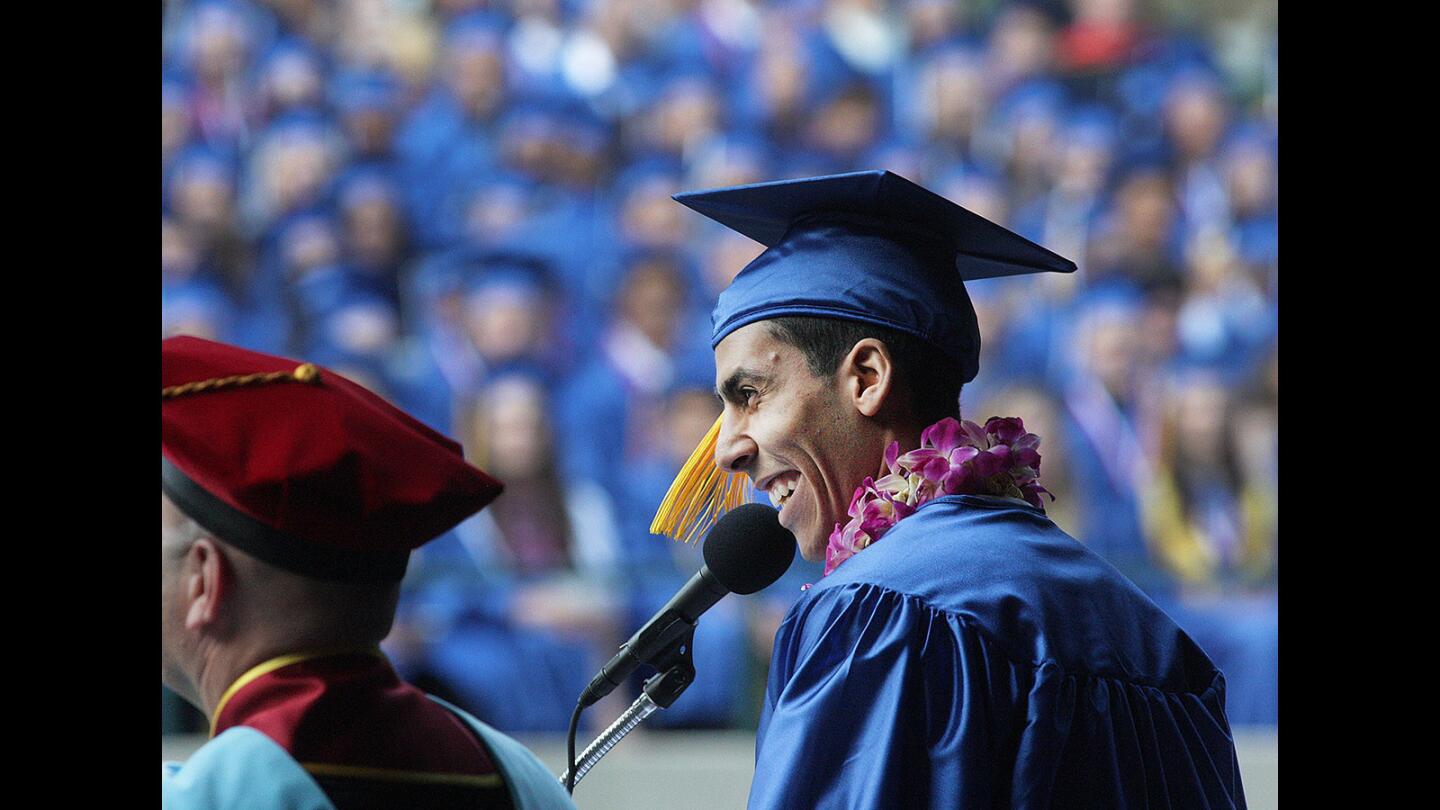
(812, 550)
(810, 541)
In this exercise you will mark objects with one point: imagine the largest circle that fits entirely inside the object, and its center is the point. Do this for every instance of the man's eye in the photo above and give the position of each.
(748, 394)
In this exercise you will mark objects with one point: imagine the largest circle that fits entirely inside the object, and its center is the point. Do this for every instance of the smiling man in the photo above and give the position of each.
(960, 651)
(801, 448)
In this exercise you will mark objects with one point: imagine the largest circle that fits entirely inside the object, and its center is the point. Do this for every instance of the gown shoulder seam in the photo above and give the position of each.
(970, 622)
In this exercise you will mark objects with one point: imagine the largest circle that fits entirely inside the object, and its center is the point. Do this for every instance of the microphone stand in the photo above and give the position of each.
(676, 665)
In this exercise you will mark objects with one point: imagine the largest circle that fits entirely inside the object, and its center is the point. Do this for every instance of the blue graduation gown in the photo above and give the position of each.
(976, 657)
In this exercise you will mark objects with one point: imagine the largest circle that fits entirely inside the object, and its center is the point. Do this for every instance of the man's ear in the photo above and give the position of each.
(868, 372)
(207, 581)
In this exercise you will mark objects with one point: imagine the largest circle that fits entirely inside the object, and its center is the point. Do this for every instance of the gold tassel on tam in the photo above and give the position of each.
(701, 493)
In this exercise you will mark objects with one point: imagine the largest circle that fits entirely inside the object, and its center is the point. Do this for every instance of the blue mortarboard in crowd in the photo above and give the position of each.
(505, 276)
(1030, 101)
(436, 276)
(802, 163)
(1090, 125)
(480, 29)
(1109, 298)
(585, 130)
(365, 183)
(825, 76)
(734, 149)
(353, 91)
(533, 117)
(980, 189)
(456, 220)
(523, 370)
(958, 46)
(174, 88)
(643, 168)
(1182, 52)
(647, 172)
(1141, 92)
(1188, 80)
(209, 17)
(362, 323)
(832, 77)
(554, 117)
(290, 53)
(633, 257)
(201, 163)
(901, 150)
(321, 292)
(196, 304)
(299, 125)
(1246, 136)
(659, 83)
(489, 266)
(856, 90)
(870, 247)
(694, 371)
(197, 163)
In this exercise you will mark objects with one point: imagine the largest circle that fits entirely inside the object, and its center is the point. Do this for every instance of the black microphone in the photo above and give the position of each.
(746, 551)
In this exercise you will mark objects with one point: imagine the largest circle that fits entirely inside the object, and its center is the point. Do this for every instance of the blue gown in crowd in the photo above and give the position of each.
(976, 656)
(439, 151)
(516, 679)
(1106, 463)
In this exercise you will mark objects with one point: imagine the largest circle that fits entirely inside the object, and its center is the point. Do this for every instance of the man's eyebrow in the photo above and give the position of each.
(730, 389)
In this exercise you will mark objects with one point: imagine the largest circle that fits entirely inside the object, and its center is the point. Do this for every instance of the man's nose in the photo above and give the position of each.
(735, 451)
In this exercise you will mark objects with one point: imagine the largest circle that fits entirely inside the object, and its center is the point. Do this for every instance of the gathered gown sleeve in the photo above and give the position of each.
(877, 700)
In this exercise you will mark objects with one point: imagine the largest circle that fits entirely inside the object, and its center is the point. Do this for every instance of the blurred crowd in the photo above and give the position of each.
(465, 206)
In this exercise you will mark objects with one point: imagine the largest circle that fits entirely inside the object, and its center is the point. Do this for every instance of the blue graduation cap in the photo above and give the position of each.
(480, 29)
(527, 274)
(867, 246)
(287, 52)
(174, 89)
(354, 91)
(1092, 126)
(364, 183)
(870, 247)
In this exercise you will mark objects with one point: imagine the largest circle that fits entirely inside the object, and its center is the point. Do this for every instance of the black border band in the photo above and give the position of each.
(274, 546)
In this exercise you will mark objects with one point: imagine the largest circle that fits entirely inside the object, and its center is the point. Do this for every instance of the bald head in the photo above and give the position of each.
(224, 609)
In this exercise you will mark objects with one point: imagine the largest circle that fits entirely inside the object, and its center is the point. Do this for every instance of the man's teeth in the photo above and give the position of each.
(781, 493)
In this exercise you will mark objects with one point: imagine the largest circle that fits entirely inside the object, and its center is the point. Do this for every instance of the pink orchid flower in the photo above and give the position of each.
(955, 457)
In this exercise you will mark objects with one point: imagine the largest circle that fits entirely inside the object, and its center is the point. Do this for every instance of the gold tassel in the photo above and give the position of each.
(701, 493)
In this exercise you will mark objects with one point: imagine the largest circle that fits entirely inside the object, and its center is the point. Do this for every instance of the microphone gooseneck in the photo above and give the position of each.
(746, 551)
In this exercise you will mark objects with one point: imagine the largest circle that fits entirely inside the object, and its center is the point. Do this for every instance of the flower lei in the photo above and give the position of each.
(954, 458)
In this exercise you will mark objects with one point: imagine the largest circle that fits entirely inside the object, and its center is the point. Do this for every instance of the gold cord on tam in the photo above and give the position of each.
(305, 373)
(701, 493)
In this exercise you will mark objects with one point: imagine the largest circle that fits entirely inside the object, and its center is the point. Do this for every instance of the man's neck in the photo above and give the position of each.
(225, 665)
(908, 435)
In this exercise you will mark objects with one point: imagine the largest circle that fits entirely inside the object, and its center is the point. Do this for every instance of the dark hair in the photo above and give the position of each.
(932, 380)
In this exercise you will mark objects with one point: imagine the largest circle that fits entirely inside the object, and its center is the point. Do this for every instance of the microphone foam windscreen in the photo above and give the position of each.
(748, 549)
